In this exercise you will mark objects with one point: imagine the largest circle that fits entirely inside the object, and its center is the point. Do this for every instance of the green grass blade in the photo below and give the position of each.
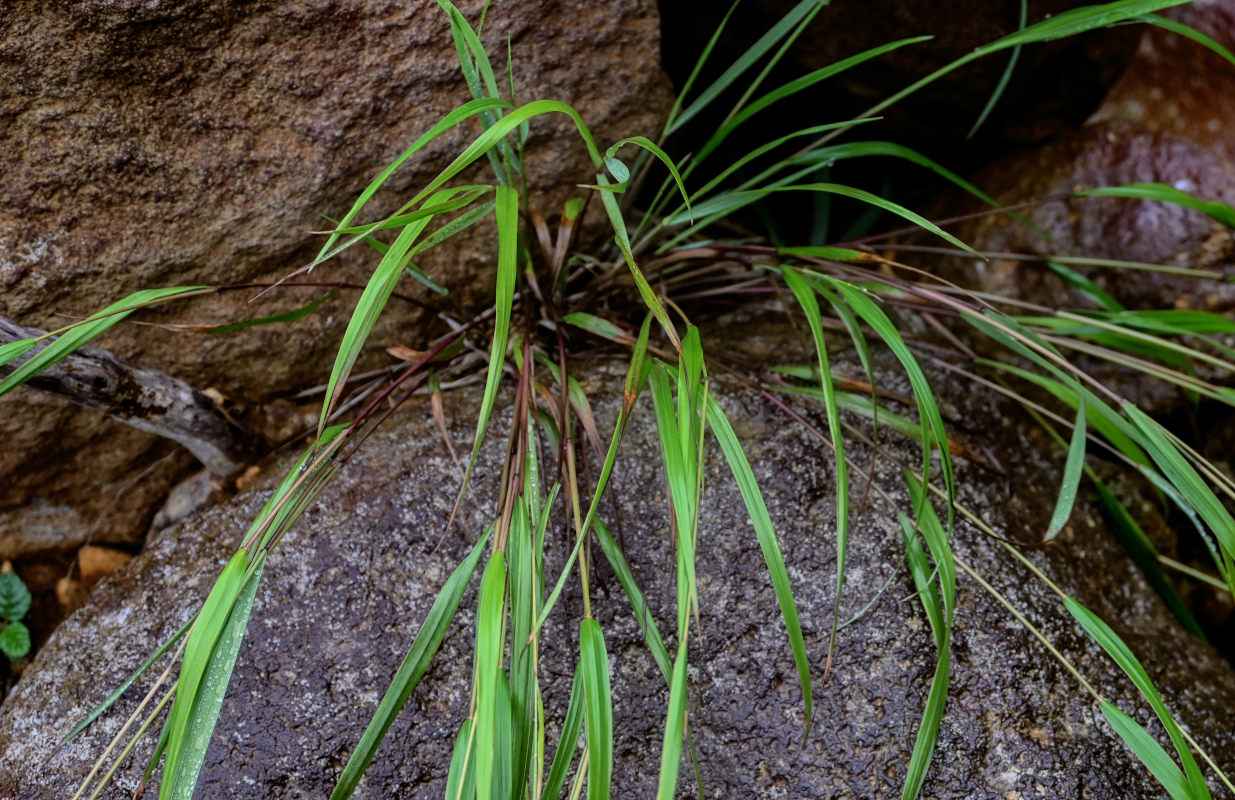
(568, 741)
(928, 408)
(766, 148)
(368, 308)
(810, 307)
(651, 147)
(205, 712)
(1123, 657)
(79, 334)
(641, 283)
(675, 723)
(460, 197)
(830, 253)
(502, 755)
(461, 780)
(879, 149)
(598, 702)
(932, 716)
(490, 636)
(458, 115)
(1149, 752)
(679, 471)
(411, 670)
(507, 267)
(766, 534)
(864, 406)
(1220, 212)
(797, 85)
(597, 326)
(495, 134)
(1191, 486)
(526, 595)
(17, 349)
(744, 62)
(1085, 286)
(636, 376)
(1120, 434)
(1059, 26)
(197, 657)
(741, 198)
(455, 226)
(651, 631)
(481, 82)
(286, 316)
(937, 541)
(1071, 475)
(1189, 32)
(1004, 78)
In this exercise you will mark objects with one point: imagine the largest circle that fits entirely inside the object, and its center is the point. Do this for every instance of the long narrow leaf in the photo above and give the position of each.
(568, 742)
(1149, 752)
(79, 334)
(1071, 475)
(1119, 652)
(932, 716)
(452, 119)
(205, 713)
(598, 702)
(810, 307)
(744, 62)
(489, 646)
(762, 522)
(507, 212)
(203, 639)
(1220, 212)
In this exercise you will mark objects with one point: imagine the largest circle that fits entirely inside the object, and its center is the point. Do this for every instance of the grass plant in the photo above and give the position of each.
(669, 252)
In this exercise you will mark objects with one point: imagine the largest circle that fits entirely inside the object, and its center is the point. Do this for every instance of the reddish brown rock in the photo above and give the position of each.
(154, 144)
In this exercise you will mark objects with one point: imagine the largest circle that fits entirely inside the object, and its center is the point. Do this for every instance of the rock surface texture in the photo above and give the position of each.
(1167, 120)
(346, 590)
(170, 143)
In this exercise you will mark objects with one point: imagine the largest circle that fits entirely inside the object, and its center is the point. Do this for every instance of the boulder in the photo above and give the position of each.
(347, 588)
(1165, 121)
(169, 143)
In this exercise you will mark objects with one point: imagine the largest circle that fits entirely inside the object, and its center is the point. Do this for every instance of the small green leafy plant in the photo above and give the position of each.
(14, 603)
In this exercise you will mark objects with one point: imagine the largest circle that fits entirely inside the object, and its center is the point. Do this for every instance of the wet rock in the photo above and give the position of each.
(346, 590)
(171, 143)
(1165, 121)
(95, 562)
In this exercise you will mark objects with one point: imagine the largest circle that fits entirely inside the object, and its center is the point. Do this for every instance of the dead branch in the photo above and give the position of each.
(144, 398)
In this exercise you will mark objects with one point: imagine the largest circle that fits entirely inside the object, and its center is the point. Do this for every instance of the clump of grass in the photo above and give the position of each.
(672, 254)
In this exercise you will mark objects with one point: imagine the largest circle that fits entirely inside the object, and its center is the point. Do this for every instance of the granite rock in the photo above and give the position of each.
(343, 596)
(161, 143)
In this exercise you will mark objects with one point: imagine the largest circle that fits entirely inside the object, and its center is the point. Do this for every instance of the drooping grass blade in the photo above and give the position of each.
(1221, 212)
(1123, 657)
(81, 333)
(1071, 475)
